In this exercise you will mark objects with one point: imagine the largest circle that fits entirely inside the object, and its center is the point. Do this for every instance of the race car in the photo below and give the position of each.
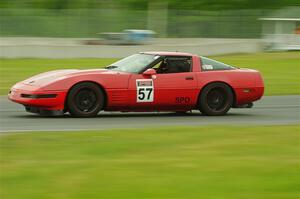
(146, 81)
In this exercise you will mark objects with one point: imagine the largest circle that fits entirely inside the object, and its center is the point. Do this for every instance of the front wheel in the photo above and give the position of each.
(85, 100)
(215, 99)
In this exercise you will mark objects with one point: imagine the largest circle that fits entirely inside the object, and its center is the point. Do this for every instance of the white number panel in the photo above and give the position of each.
(144, 90)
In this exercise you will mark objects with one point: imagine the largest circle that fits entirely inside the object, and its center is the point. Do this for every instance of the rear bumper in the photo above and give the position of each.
(32, 97)
(247, 95)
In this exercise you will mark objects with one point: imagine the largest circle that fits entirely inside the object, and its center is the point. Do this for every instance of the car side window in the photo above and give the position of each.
(209, 64)
(174, 65)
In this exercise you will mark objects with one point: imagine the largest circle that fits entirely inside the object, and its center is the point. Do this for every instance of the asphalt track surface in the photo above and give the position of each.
(267, 111)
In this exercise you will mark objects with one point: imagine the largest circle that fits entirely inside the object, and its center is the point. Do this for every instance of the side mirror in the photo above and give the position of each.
(149, 72)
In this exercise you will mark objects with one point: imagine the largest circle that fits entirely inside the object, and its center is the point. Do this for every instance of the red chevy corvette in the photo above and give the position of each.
(147, 81)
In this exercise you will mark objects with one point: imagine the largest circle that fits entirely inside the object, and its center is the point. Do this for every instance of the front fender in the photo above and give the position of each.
(108, 81)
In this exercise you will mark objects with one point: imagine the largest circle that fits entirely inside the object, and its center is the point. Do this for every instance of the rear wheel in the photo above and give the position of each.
(85, 100)
(215, 99)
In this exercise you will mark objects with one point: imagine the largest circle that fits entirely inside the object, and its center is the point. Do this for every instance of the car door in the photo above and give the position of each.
(165, 91)
(175, 90)
(141, 93)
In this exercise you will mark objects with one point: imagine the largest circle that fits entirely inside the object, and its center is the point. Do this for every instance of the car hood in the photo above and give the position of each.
(52, 76)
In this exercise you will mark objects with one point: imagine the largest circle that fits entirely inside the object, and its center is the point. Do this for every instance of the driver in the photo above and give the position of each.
(164, 67)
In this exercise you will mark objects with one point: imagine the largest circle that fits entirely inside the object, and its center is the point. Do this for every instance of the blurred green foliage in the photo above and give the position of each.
(168, 18)
(87, 23)
(143, 4)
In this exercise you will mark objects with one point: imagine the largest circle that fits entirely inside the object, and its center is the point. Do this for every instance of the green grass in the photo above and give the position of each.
(178, 162)
(281, 71)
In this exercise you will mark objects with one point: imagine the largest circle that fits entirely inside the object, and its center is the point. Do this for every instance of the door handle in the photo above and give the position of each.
(189, 78)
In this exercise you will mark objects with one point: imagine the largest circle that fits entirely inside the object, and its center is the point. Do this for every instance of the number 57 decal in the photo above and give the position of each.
(144, 90)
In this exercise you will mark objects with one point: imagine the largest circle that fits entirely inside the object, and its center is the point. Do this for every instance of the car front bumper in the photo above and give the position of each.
(31, 96)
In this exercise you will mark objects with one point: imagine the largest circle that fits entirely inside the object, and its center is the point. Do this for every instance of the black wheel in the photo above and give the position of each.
(85, 100)
(215, 99)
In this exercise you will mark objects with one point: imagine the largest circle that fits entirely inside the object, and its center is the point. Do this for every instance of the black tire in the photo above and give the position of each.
(215, 99)
(85, 99)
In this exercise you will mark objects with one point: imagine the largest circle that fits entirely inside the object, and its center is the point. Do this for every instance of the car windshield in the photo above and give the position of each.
(134, 63)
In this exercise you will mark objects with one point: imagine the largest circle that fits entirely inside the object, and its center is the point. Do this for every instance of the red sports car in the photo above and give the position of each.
(147, 81)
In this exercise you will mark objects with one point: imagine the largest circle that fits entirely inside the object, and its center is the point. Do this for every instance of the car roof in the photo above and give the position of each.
(168, 53)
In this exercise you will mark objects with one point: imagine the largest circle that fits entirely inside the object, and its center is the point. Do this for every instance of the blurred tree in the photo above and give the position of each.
(143, 4)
